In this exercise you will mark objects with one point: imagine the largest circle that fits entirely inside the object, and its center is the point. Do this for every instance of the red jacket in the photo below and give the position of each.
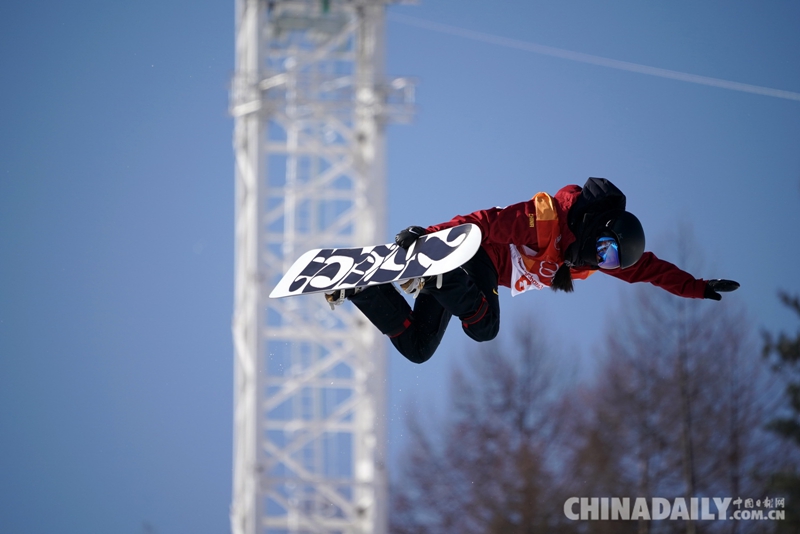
(501, 227)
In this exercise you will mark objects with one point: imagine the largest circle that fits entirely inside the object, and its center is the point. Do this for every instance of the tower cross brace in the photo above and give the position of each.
(310, 104)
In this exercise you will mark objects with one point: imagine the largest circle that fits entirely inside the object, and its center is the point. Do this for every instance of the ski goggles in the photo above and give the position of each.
(607, 253)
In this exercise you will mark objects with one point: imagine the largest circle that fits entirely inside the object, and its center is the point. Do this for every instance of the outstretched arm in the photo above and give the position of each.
(667, 276)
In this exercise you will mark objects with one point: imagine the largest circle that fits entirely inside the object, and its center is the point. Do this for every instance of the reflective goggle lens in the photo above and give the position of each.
(607, 253)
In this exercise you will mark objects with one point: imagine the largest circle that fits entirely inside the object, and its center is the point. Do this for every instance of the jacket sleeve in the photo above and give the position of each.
(513, 224)
(661, 274)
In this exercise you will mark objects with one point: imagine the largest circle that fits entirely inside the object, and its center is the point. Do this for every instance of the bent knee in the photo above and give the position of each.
(414, 352)
(417, 356)
(482, 336)
(486, 332)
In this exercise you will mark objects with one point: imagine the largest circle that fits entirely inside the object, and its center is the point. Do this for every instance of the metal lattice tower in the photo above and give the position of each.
(310, 104)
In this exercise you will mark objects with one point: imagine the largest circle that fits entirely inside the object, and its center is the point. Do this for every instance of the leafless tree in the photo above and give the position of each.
(783, 352)
(492, 466)
(677, 409)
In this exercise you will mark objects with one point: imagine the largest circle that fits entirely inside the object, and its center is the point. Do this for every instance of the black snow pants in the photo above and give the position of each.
(469, 293)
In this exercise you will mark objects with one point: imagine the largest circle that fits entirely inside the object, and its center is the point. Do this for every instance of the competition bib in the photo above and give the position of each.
(529, 272)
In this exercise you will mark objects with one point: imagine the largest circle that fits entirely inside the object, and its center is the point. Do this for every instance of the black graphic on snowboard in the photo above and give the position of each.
(325, 270)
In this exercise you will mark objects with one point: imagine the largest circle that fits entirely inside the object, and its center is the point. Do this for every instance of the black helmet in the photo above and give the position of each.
(626, 229)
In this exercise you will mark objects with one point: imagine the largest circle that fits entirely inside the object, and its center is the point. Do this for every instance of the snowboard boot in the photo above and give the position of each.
(414, 286)
(335, 298)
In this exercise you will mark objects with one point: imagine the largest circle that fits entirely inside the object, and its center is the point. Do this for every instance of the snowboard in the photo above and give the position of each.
(328, 269)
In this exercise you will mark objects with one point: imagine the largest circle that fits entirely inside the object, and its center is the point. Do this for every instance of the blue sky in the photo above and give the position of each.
(116, 212)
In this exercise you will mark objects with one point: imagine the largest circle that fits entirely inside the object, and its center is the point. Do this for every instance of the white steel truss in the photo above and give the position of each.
(310, 104)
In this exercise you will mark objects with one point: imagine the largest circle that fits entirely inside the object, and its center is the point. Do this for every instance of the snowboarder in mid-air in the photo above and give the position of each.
(544, 242)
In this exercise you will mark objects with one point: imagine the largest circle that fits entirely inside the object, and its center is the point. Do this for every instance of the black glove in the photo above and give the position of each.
(715, 287)
(407, 237)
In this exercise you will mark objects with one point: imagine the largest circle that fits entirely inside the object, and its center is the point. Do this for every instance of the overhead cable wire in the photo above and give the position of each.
(591, 59)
